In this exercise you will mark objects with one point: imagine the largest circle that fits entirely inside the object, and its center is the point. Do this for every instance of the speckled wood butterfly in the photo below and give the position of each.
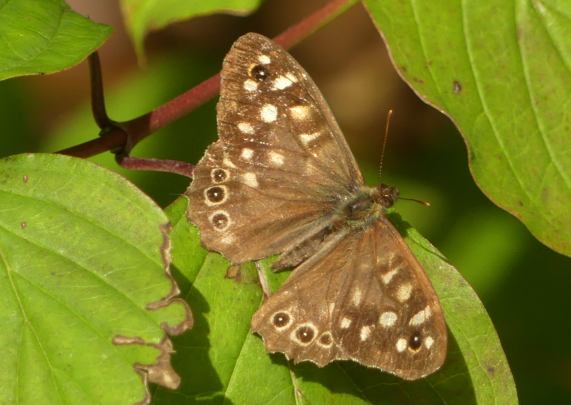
(282, 179)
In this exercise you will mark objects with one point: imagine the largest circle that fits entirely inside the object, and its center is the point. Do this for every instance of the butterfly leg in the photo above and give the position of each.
(263, 280)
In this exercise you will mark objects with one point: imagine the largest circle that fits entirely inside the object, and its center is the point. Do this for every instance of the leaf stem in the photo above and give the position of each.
(139, 128)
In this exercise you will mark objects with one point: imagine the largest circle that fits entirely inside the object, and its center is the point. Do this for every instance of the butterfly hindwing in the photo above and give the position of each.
(374, 302)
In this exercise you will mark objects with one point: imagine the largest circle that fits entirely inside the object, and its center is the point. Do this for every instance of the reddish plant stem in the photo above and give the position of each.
(97, 95)
(141, 127)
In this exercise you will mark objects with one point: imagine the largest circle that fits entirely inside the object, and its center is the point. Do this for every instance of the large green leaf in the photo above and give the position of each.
(502, 71)
(143, 16)
(222, 360)
(44, 36)
(84, 296)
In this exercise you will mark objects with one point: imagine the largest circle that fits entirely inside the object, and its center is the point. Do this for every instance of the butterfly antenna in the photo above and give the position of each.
(388, 123)
(425, 203)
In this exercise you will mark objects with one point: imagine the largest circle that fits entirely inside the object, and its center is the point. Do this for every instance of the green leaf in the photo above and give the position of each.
(44, 36)
(83, 291)
(143, 16)
(221, 359)
(501, 71)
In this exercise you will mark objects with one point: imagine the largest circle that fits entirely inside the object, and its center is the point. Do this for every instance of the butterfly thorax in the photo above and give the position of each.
(365, 206)
(353, 213)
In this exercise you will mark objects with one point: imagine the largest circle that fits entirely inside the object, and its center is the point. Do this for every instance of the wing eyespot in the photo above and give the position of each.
(304, 334)
(325, 340)
(415, 342)
(282, 320)
(259, 73)
(216, 195)
(220, 220)
(219, 175)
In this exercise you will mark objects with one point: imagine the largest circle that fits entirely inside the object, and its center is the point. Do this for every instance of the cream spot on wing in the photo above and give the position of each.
(228, 239)
(281, 83)
(276, 159)
(388, 276)
(250, 85)
(247, 154)
(404, 292)
(331, 308)
(250, 179)
(291, 77)
(300, 112)
(307, 138)
(245, 128)
(388, 319)
(365, 332)
(228, 163)
(269, 113)
(264, 59)
(345, 323)
(357, 296)
(420, 316)
(428, 342)
(401, 345)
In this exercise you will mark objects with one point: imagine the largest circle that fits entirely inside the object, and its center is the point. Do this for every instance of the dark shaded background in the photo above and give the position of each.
(523, 284)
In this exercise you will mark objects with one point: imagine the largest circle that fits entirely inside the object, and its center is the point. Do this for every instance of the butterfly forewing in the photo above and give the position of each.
(281, 157)
(367, 299)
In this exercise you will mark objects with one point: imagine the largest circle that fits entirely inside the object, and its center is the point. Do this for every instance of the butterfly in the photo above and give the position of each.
(281, 179)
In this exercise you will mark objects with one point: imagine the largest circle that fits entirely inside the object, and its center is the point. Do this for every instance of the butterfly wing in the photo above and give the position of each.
(375, 306)
(281, 164)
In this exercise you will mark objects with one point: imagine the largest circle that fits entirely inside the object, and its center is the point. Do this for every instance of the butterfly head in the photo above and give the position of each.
(386, 195)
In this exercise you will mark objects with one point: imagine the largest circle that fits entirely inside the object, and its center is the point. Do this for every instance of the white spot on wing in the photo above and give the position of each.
(250, 85)
(357, 296)
(388, 319)
(245, 128)
(250, 179)
(281, 83)
(247, 154)
(420, 316)
(269, 113)
(291, 77)
(307, 138)
(299, 112)
(345, 323)
(428, 342)
(365, 332)
(227, 239)
(388, 276)
(404, 291)
(331, 308)
(264, 59)
(277, 159)
(401, 345)
(228, 163)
